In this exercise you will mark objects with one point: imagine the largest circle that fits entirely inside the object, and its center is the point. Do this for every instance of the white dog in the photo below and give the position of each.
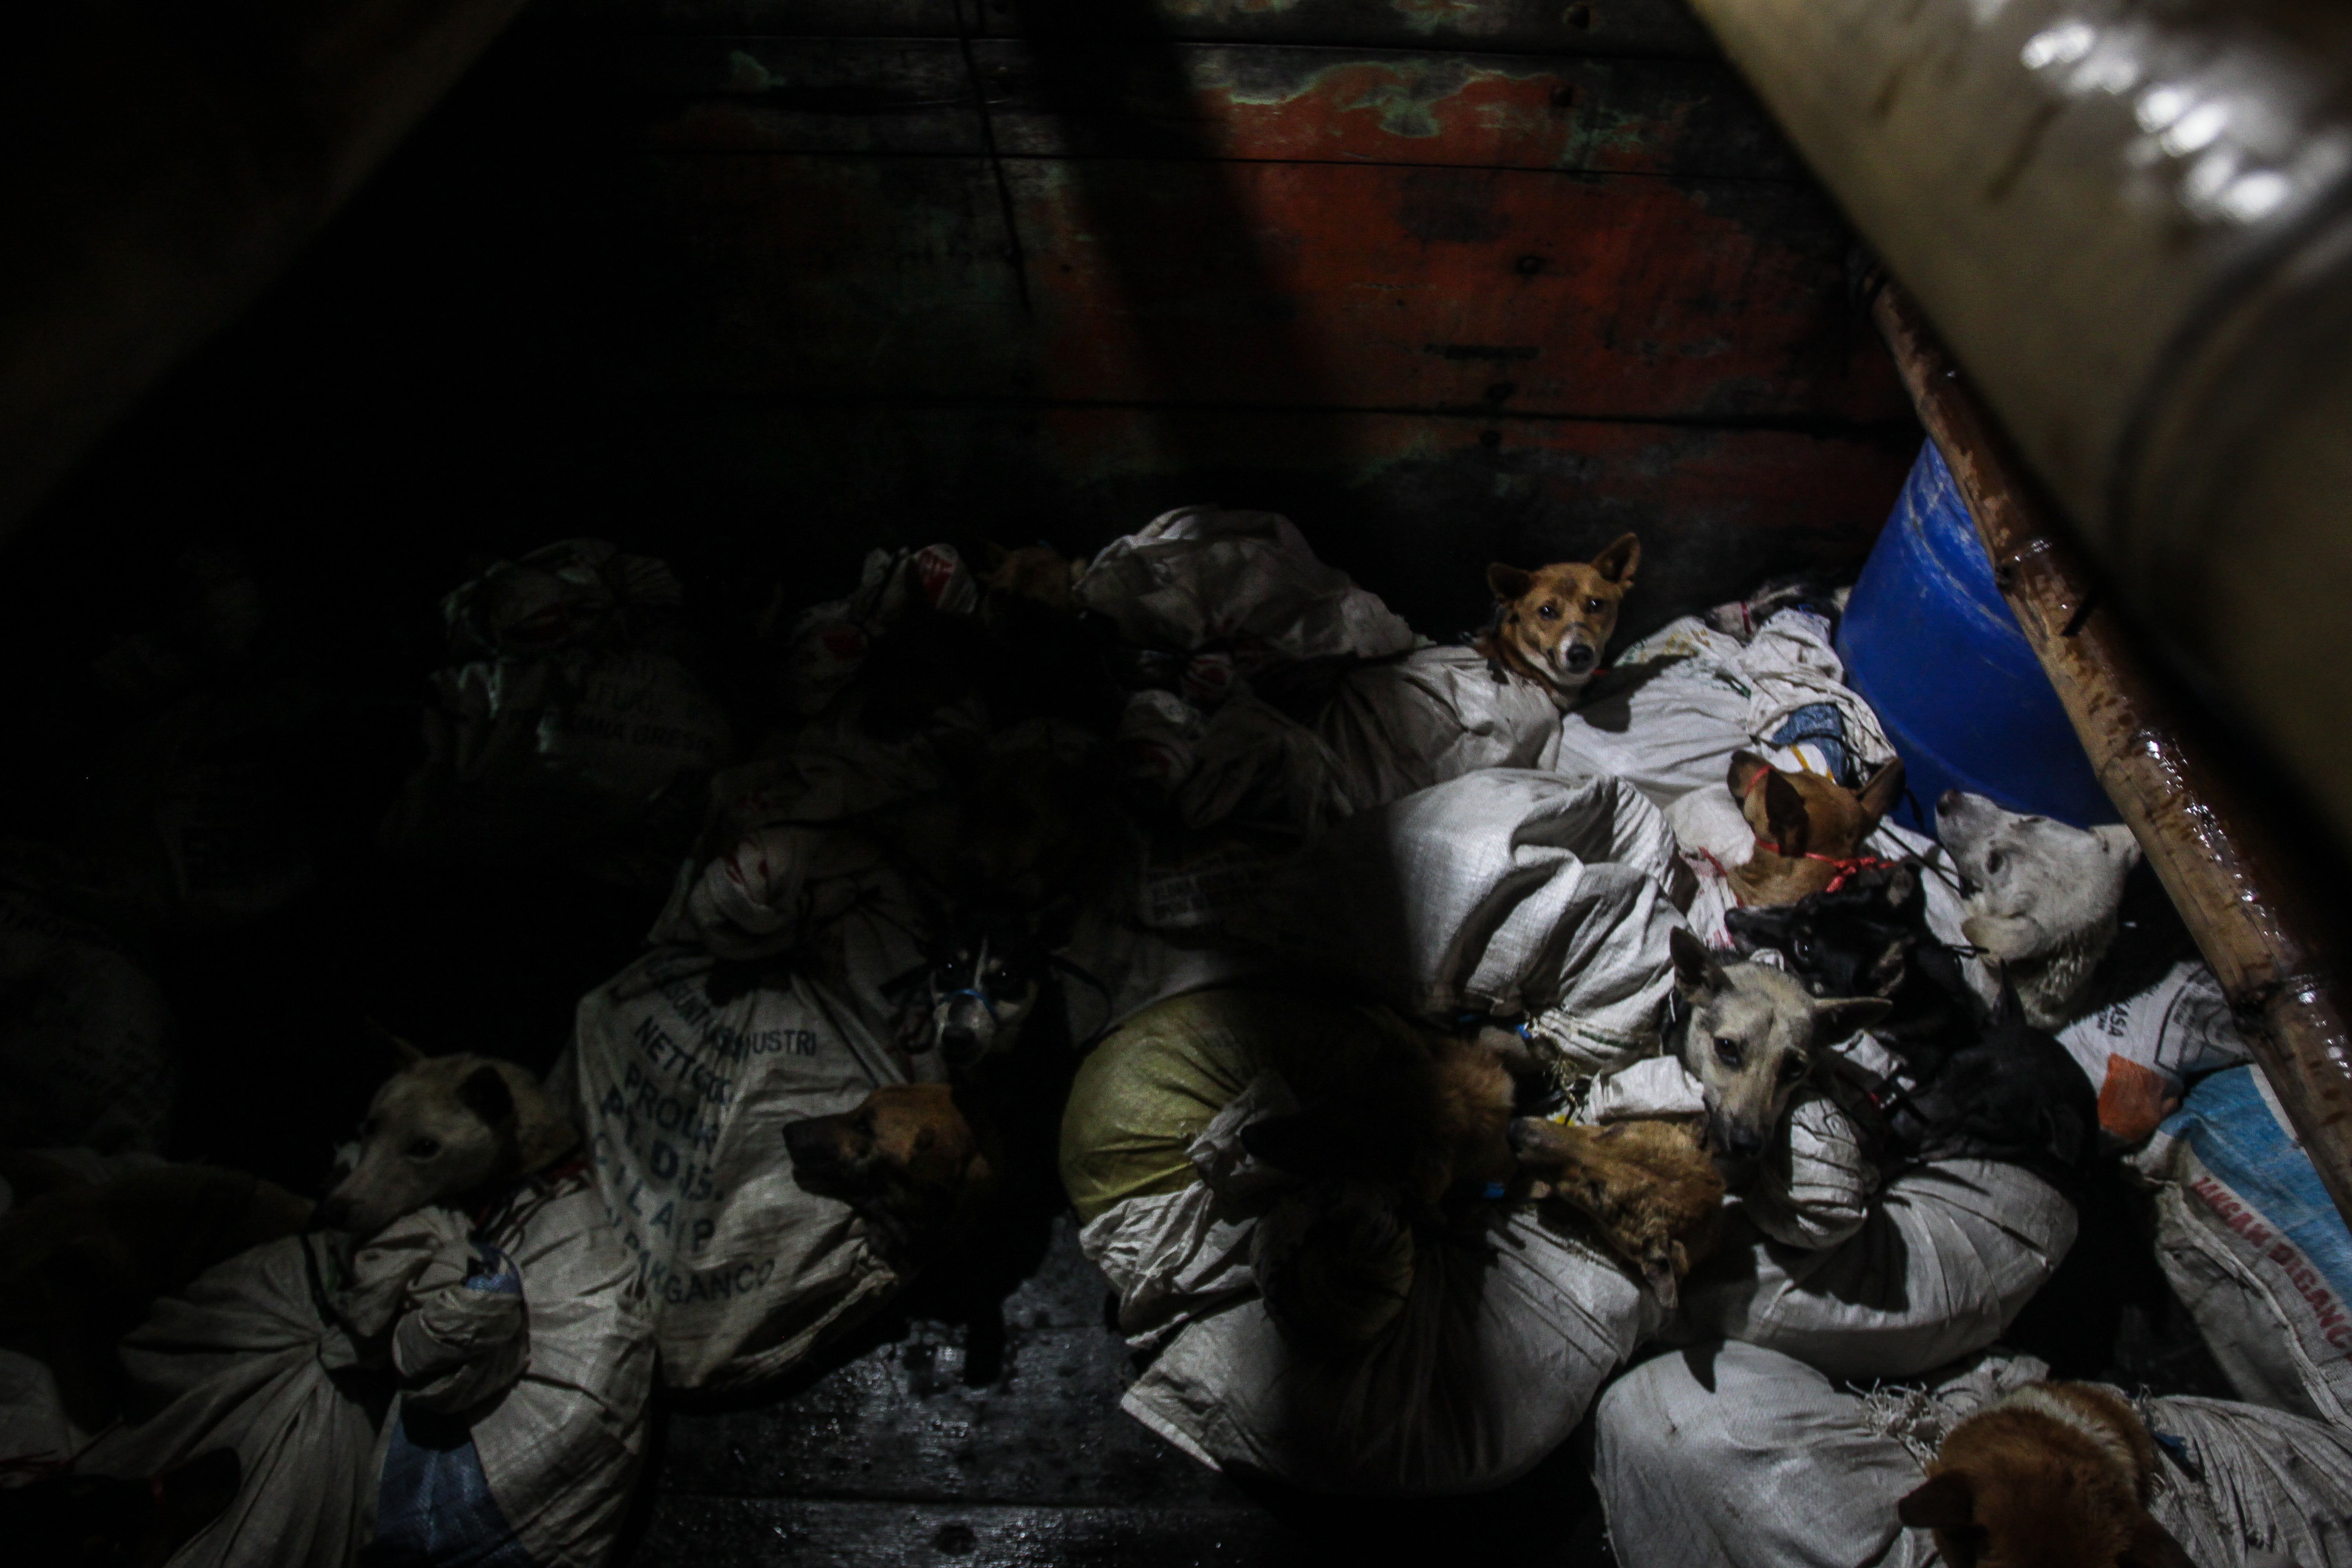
(2041, 897)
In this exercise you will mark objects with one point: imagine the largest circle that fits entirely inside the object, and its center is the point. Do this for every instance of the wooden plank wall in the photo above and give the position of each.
(1449, 281)
(760, 284)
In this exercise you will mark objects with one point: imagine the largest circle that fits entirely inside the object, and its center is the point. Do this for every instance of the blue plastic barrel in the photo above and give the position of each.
(1931, 645)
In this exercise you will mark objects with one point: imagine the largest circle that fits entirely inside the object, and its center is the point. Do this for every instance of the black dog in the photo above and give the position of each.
(986, 976)
(1990, 1086)
(1869, 937)
(2011, 1094)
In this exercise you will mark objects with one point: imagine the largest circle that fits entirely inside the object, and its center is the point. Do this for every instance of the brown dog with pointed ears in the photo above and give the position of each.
(1551, 624)
(1809, 830)
(2055, 1476)
(920, 1163)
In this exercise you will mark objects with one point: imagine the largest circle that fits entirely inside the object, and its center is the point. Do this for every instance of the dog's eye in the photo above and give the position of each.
(1993, 864)
(1549, 612)
(1726, 1051)
(423, 1148)
(1595, 605)
(1800, 948)
(1792, 1069)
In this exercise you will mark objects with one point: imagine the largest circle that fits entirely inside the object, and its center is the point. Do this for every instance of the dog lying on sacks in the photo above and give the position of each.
(1399, 724)
(788, 981)
(1328, 1329)
(461, 1375)
(1254, 734)
(1837, 1247)
(1732, 1454)
(1550, 624)
(1966, 1080)
(1809, 830)
(1404, 724)
(950, 1182)
(2076, 920)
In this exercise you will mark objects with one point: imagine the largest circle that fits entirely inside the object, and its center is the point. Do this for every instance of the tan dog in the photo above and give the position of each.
(1551, 624)
(917, 1162)
(2055, 1476)
(443, 1130)
(1750, 1036)
(1809, 830)
(1647, 1186)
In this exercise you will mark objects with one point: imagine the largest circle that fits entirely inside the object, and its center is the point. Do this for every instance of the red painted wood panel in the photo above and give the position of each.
(1265, 284)
(1625, 116)
(1211, 100)
(1383, 287)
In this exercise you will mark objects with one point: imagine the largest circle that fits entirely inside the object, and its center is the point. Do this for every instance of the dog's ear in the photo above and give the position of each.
(1837, 1016)
(484, 1092)
(1317, 1141)
(2118, 841)
(403, 1055)
(1784, 814)
(1697, 971)
(1509, 581)
(1744, 767)
(1884, 789)
(1947, 1502)
(1661, 1265)
(1617, 562)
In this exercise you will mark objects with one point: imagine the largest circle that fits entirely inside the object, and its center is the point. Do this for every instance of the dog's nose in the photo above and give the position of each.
(1737, 1143)
(1949, 801)
(1581, 657)
(959, 1044)
(1522, 1133)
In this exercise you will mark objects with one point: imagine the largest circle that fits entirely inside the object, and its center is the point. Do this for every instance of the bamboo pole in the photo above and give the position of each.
(2268, 942)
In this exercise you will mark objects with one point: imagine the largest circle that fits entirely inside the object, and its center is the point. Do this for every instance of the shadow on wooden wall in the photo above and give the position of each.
(759, 284)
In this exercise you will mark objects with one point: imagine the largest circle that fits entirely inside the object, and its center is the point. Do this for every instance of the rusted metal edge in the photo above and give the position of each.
(2270, 942)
